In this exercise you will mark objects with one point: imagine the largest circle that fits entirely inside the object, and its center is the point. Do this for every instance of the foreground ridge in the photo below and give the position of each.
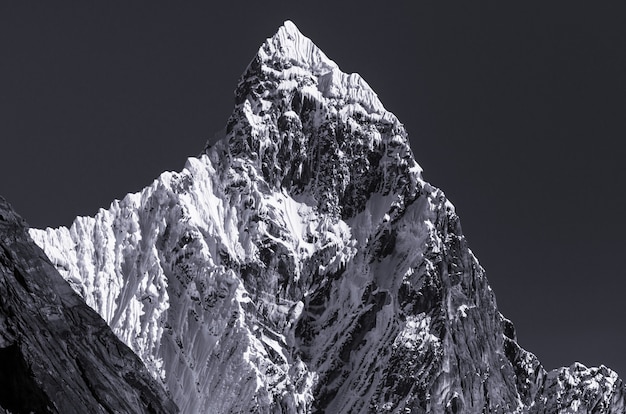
(56, 354)
(302, 264)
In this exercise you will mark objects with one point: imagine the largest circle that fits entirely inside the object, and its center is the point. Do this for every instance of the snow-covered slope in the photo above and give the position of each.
(301, 264)
(56, 354)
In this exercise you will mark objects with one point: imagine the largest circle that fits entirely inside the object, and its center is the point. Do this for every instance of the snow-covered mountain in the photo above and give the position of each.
(302, 264)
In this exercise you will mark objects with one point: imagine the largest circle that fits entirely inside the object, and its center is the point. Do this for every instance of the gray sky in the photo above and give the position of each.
(516, 112)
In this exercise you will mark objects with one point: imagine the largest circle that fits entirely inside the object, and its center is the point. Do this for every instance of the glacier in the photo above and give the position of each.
(302, 264)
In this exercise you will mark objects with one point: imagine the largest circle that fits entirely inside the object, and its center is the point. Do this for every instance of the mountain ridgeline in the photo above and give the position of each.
(301, 264)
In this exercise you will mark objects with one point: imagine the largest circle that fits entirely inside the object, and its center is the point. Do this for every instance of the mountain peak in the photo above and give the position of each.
(290, 46)
(293, 59)
(307, 127)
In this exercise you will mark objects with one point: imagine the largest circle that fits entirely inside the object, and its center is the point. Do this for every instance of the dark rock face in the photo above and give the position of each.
(57, 355)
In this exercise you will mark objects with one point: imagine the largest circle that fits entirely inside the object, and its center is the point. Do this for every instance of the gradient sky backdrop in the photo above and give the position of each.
(516, 111)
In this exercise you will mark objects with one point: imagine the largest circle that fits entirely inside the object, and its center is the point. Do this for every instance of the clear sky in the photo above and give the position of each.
(516, 111)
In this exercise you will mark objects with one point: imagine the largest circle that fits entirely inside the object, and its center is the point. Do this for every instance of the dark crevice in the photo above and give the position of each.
(19, 392)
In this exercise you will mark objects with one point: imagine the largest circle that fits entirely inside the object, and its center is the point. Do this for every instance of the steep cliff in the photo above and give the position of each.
(56, 354)
(301, 264)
